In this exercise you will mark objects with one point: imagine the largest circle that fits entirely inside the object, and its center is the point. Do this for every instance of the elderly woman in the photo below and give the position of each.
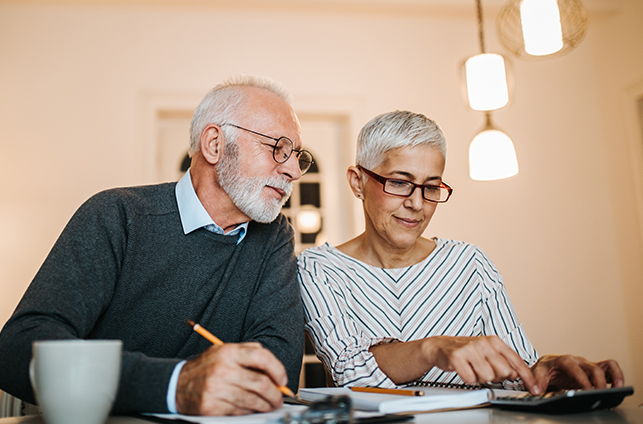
(391, 307)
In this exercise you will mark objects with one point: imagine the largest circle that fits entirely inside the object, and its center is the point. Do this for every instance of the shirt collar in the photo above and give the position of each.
(193, 214)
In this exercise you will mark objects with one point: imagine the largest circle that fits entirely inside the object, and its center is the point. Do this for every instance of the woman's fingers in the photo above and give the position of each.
(483, 359)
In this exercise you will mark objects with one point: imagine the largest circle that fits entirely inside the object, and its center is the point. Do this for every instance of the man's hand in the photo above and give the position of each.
(479, 360)
(231, 379)
(564, 372)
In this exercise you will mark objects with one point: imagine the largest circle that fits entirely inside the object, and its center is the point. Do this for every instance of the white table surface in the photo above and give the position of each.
(622, 415)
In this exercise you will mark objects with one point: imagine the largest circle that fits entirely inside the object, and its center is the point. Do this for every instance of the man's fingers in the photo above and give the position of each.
(255, 392)
(230, 379)
(223, 403)
(254, 356)
(237, 369)
(233, 401)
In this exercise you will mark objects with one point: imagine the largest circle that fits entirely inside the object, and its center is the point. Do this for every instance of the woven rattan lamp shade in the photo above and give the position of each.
(573, 19)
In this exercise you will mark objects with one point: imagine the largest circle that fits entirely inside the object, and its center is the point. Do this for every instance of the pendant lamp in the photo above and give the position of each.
(485, 75)
(492, 155)
(541, 29)
(486, 82)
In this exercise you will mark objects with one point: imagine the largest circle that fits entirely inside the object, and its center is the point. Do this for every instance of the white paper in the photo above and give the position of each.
(241, 419)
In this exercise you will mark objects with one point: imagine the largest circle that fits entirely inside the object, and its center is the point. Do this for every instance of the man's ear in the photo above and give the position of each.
(354, 177)
(212, 143)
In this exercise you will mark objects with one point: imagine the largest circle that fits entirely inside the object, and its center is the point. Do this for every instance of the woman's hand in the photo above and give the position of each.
(564, 372)
(476, 359)
(479, 360)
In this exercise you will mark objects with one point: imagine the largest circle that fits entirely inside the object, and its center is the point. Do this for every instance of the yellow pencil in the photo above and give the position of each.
(400, 392)
(215, 340)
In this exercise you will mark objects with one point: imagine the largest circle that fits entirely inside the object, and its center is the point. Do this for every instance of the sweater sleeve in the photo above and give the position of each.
(67, 296)
(338, 340)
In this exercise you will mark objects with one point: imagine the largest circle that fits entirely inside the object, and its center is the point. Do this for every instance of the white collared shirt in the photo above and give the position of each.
(193, 214)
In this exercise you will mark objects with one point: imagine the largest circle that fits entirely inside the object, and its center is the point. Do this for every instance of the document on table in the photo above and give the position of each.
(272, 417)
(245, 419)
(434, 399)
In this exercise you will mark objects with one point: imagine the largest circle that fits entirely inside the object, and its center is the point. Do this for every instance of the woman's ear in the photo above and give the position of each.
(212, 143)
(354, 177)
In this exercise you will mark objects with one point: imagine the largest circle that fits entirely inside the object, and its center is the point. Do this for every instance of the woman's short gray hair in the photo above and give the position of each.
(223, 103)
(394, 130)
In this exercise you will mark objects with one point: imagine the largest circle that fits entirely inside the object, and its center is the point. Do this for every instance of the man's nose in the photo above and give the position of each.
(290, 168)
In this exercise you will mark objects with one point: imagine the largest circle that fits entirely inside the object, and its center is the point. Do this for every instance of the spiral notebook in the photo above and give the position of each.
(496, 389)
(434, 399)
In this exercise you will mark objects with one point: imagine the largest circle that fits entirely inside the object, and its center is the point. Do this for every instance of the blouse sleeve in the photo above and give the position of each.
(499, 316)
(338, 340)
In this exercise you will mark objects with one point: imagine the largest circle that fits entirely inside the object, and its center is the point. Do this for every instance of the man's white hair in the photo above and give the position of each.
(223, 103)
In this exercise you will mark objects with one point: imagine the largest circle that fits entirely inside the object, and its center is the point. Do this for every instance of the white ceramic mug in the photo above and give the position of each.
(75, 381)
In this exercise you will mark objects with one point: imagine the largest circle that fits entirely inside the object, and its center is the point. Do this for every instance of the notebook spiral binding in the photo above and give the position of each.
(447, 385)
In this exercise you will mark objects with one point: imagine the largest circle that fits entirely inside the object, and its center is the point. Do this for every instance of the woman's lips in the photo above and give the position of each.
(408, 222)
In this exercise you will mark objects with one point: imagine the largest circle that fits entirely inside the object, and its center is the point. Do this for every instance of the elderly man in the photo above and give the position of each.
(135, 263)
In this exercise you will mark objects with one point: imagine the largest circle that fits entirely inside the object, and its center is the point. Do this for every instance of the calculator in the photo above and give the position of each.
(564, 402)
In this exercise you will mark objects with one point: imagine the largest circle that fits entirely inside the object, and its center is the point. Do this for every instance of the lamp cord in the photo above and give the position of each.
(480, 26)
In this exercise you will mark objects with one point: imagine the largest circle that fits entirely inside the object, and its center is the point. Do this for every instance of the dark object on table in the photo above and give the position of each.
(332, 410)
(335, 410)
(565, 402)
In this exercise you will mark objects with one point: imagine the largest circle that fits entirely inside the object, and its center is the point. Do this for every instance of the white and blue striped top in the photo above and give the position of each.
(350, 306)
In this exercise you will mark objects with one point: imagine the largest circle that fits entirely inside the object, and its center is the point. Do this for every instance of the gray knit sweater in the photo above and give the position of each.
(124, 269)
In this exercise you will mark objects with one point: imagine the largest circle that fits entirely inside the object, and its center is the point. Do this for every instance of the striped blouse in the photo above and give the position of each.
(350, 306)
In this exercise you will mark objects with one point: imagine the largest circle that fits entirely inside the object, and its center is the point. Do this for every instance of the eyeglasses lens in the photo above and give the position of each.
(399, 188)
(435, 194)
(282, 150)
(405, 189)
(305, 160)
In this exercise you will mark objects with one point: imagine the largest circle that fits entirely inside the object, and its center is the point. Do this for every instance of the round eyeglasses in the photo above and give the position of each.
(283, 149)
(432, 193)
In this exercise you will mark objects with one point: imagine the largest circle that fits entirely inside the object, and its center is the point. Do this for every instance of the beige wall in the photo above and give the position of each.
(77, 81)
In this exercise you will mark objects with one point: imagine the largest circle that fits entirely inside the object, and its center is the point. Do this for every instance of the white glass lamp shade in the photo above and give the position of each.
(486, 82)
(492, 156)
(541, 27)
(308, 220)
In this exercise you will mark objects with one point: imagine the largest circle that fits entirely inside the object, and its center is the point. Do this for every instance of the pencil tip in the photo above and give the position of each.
(191, 323)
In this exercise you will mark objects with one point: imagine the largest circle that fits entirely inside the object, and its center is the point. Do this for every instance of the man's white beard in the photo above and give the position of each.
(246, 192)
